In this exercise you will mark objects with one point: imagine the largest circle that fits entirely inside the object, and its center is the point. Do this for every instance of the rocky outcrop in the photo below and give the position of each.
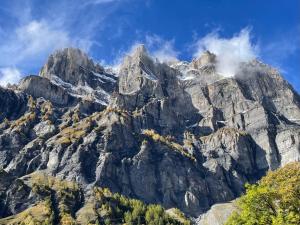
(206, 59)
(217, 215)
(74, 67)
(180, 135)
(288, 143)
(42, 87)
(70, 77)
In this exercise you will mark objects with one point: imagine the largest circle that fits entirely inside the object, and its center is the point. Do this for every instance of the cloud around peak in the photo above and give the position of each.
(230, 51)
(162, 49)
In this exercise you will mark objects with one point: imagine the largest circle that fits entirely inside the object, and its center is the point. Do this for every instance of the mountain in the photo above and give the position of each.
(177, 134)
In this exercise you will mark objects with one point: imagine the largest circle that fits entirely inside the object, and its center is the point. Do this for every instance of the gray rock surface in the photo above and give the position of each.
(217, 215)
(180, 135)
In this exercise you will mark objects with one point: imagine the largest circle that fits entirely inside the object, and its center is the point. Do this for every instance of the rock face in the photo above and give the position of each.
(12, 104)
(39, 86)
(69, 77)
(217, 215)
(180, 135)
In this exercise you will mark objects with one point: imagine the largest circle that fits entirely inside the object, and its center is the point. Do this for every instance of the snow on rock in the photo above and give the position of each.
(104, 77)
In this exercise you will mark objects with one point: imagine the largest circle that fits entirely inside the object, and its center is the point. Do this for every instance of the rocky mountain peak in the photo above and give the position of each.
(71, 65)
(135, 68)
(137, 55)
(207, 58)
(75, 55)
(139, 51)
(68, 77)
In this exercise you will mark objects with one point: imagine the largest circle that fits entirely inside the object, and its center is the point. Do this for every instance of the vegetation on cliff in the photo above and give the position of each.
(275, 200)
(62, 202)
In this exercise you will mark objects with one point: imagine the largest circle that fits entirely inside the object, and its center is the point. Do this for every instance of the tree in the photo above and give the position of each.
(154, 214)
(275, 200)
(128, 218)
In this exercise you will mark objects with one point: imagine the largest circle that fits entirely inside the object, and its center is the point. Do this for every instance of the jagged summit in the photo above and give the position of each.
(140, 50)
(207, 58)
(71, 65)
(73, 54)
(137, 55)
(70, 76)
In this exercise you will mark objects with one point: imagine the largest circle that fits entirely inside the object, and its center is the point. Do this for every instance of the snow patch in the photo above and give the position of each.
(104, 77)
(186, 77)
(57, 81)
(81, 91)
(191, 126)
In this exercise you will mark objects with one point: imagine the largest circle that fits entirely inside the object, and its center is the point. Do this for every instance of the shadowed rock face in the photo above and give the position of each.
(12, 104)
(180, 135)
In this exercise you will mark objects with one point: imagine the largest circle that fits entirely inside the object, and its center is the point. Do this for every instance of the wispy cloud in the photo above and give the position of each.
(32, 37)
(32, 42)
(230, 51)
(96, 2)
(9, 75)
(282, 47)
(283, 53)
(162, 49)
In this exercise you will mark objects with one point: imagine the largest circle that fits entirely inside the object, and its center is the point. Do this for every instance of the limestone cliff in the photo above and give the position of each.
(179, 135)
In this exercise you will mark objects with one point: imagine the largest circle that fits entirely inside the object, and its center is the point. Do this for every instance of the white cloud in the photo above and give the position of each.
(96, 2)
(166, 52)
(282, 46)
(9, 75)
(38, 36)
(161, 49)
(230, 51)
(28, 42)
(35, 40)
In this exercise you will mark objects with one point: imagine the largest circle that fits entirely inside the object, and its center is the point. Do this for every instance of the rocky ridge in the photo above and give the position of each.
(178, 134)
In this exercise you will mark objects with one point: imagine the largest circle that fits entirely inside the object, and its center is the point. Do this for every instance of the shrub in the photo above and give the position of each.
(31, 103)
(275, 200)
(167, 141)
(63, 198)
(73, 133)
(132, 211)
(119, 111)
(28, 118)
(47, 111)
(154, 214)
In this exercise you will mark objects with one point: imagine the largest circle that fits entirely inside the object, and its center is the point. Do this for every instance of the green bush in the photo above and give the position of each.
(60, 200)
(168, 141)
(132, 211)
(275, 200)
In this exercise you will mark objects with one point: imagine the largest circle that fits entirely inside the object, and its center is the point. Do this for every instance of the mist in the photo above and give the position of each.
(230, 51)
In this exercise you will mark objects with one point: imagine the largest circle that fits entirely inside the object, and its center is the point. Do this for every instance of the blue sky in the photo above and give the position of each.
(107, 29)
